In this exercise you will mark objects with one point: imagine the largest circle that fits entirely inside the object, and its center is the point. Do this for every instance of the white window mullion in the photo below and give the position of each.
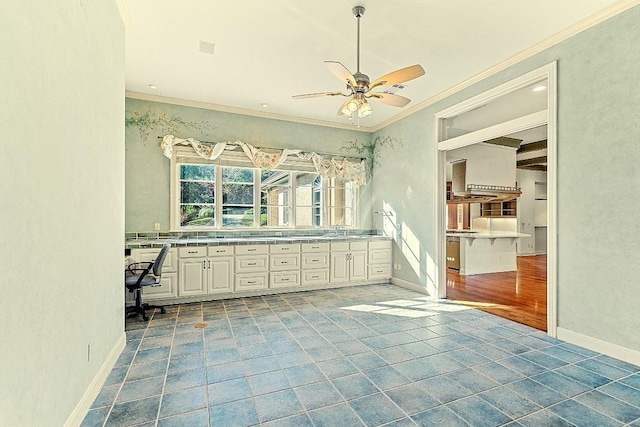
(293, 203)
(257, 192)
(218, 197)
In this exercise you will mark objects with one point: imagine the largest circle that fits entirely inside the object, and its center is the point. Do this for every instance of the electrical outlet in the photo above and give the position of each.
(397, 266)
(156, 226)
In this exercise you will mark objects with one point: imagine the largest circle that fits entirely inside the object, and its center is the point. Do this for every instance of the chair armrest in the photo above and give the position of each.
(139, 266)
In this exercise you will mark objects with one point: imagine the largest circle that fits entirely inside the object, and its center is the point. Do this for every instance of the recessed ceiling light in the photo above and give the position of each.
(264, 105)
(539, 88)
(152, 86)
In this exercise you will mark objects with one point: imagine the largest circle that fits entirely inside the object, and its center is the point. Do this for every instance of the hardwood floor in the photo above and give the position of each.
(520, 295)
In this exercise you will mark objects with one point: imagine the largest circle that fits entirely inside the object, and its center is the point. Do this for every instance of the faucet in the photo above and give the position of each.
(338, 228)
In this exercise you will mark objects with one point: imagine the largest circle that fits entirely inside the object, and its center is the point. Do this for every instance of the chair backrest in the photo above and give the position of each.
(157, 264)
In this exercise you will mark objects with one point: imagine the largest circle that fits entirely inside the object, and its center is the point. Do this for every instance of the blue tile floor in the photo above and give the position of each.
(374, 355)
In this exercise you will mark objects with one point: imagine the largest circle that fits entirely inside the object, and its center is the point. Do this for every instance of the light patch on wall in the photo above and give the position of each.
(410, 246)
(432, 276)
(389, 226)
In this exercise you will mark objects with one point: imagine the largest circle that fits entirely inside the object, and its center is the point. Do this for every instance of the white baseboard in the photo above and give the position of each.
(81, 409)
(409, 285)
(595, 344)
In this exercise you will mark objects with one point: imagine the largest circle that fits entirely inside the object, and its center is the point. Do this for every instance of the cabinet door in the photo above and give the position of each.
(193, 277)
(220, 274)
(167, 288)
(358, 265)
(339, 269)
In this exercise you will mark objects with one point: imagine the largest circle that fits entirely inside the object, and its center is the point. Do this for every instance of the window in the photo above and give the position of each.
(275, 198)
(340, 204)
(308, 200)
(237, 197)
(197, 196)
(231, 193)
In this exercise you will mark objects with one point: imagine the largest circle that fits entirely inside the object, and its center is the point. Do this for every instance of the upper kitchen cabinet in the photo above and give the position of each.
(484, 169)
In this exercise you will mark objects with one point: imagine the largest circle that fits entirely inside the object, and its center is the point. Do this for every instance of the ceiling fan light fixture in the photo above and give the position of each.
(365, 109)
(353, 105)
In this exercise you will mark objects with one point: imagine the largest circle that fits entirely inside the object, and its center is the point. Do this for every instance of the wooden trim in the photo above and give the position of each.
(532, 161)
(94, 388)
(235, 110)
(409, 285)
(593, 20)
(623, 353)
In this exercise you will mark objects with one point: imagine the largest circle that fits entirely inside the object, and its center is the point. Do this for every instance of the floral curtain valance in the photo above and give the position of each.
(344, 169)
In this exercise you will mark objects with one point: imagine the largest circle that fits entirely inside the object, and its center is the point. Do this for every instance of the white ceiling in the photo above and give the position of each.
(268, 51)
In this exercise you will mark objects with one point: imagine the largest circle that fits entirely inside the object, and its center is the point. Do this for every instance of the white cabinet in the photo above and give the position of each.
(348, 262)
(252, 267)
(205, 270)
(379, 259)
(314, 264)
(168, 287)
(284, 266)
(220, 265)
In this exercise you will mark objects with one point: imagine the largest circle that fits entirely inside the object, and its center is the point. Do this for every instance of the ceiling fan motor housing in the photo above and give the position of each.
(362, 82)
(358, 11)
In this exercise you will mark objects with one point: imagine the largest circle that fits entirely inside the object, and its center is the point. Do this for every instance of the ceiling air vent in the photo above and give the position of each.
(207, 47)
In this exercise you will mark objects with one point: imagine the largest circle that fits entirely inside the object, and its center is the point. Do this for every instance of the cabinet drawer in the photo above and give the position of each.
(192, 252)
(220, 250)
(285, 249)
(315, 260)
(315, 247)
(382, 271)
(357, 246)
(248, 264)
(379, 256)
(168, 288)
(380, 244)
(252, 250)
(170, 264)
(284, 262)
(340, 246)
(284, 279)
(246, 282)
(315, 277)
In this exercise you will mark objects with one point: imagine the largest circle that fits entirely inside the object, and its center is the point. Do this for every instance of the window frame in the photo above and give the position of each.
(235, 159)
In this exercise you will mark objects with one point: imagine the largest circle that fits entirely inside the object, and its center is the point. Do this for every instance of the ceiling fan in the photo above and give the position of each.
(359, 87)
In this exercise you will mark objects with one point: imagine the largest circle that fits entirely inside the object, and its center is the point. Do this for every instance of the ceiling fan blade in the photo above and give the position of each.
(316, 95)
(398, 76)
(341, 72)
(390, 99)
(344, 104)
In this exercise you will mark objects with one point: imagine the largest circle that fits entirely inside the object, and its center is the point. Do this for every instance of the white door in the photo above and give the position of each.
(339, 270)
(358, 267)
(193, 276)
(220, 274)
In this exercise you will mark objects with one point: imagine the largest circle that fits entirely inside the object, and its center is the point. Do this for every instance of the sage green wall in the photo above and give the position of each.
(147, 170)
(598, 178)
(62, 186)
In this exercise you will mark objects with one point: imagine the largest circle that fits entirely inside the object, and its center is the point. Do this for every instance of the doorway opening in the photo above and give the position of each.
(501, 241)
(506, 277)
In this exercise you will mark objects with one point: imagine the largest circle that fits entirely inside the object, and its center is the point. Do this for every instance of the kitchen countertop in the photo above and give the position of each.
(252, 240)
(485, 234)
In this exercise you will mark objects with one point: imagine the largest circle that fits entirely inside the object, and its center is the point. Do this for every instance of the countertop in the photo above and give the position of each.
(252, 240)
(486, 235)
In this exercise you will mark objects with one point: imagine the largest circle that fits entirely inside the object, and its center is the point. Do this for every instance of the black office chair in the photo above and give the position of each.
(141, 274)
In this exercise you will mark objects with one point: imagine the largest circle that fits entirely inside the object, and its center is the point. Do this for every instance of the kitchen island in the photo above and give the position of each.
(486, 251)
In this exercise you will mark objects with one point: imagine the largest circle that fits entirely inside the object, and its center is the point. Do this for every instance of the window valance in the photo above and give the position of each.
(343, 169)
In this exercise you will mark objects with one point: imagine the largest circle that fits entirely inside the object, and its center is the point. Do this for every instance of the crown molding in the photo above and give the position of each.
(235, 110)
(125, 13)
(585, 24)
